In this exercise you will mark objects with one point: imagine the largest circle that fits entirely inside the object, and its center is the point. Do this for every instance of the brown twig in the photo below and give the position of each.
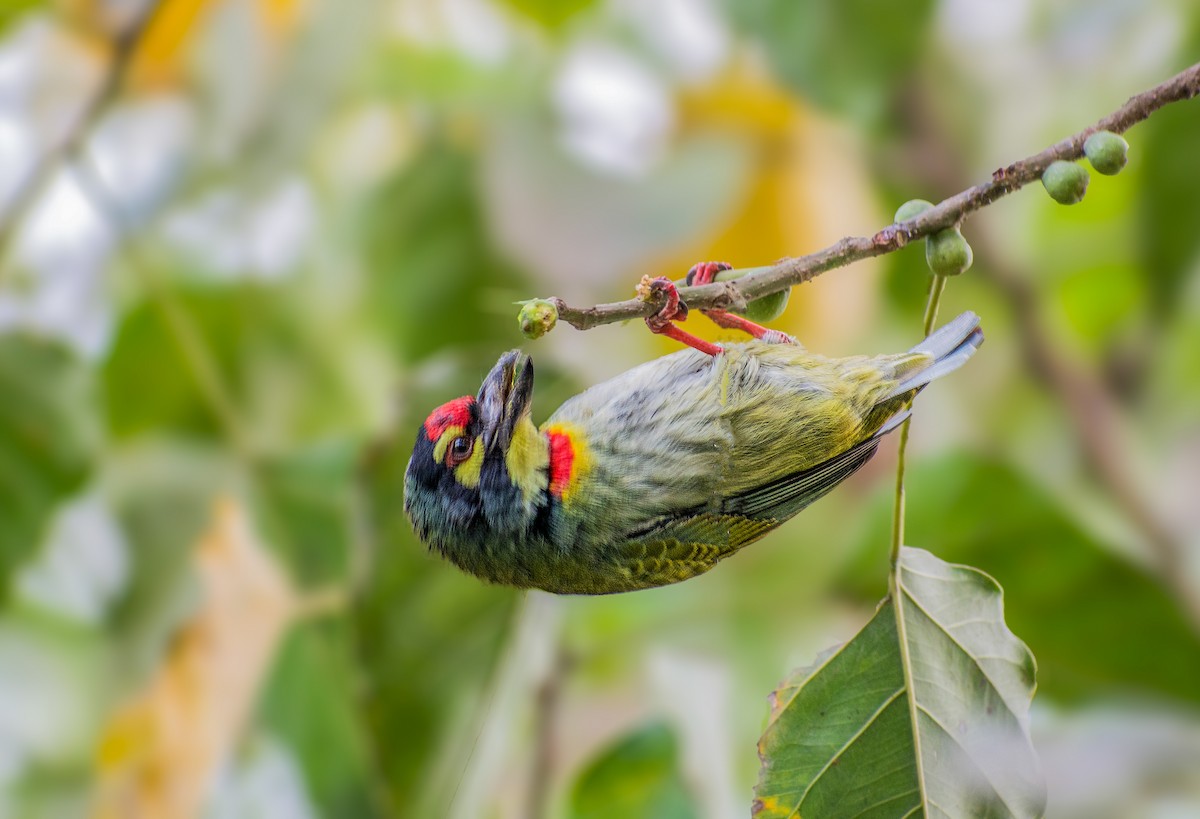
(790, 272)
(124, 47)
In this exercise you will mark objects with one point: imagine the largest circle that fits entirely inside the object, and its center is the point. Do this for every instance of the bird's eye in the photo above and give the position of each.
(460, 450)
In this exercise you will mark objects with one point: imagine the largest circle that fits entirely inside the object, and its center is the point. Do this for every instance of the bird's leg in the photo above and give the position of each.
(704, 273)
(663, 322)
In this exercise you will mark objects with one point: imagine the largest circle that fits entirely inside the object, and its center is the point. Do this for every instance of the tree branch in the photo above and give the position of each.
(1097, 421)
(758, 282)
(124, 47)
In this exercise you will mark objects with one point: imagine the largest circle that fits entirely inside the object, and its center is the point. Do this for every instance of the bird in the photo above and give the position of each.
(658, 474)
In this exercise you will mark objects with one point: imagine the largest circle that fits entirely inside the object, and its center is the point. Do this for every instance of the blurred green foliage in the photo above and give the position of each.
(1168, 200)
(850, 57)
(1084, 611)
(48, 441)
(638, 775)
(433, 266)
(551, 13)
(13, 10)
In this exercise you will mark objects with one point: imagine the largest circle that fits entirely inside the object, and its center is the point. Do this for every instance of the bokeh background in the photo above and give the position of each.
(246, 245)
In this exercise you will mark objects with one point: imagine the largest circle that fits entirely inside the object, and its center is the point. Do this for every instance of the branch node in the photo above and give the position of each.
(890, 238)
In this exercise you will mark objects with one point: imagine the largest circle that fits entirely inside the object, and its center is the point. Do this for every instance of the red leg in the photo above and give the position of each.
(662, 322)
(704, 273)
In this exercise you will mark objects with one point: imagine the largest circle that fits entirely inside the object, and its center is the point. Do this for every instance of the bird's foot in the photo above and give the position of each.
(705, 273)
(663, 322)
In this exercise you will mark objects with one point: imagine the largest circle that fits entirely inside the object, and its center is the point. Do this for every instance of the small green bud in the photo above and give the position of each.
(1066, 182)
(947, 253)
(537, 317)
(1107, 152)
(911, 209)
(768, 308)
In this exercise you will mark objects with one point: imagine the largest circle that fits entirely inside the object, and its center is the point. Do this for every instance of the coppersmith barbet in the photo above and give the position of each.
(658, 474)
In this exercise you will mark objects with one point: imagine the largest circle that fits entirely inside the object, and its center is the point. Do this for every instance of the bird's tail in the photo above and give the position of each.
(944, 351)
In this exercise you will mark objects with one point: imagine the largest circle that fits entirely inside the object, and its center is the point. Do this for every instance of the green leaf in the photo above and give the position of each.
(850, 57)
(637, 776)
(147, 354)
(924, 712)
(428, 639)
(1099, 624)
(48, 436)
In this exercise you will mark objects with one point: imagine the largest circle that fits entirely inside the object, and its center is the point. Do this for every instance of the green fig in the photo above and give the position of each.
(947, 253)
(1066, 182)
(1107, 152)
(911, 209)
(537, 317)
(768, 308)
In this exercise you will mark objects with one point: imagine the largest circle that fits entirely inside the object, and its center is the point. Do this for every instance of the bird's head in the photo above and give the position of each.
(478, 472)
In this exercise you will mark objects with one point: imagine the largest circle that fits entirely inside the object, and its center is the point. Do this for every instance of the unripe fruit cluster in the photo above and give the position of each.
(1067, 182)
(946, 252)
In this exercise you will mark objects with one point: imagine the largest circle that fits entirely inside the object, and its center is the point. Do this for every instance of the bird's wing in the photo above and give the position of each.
(683, 546)
(676, 547)
(786, 496)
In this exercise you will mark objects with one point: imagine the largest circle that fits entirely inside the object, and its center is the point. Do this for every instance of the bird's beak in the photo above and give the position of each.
(504, 399)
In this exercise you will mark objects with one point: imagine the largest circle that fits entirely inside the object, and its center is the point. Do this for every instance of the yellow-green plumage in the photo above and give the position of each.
(680, 462)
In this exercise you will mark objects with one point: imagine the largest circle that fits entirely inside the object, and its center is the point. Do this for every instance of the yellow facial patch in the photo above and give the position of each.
(526, 459)
(439, 449)
(466, 473)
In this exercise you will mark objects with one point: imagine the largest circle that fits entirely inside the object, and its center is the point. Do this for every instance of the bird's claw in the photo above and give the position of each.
(705, 273)
(674, 309)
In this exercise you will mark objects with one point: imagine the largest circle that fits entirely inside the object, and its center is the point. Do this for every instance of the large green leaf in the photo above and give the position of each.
(48, 434)
(925, 712)
(637, 776)
(849, 56)
(1099, 624)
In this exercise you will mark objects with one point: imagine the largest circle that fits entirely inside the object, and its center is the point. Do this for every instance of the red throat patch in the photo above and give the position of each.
(562, 461)
(456, 413)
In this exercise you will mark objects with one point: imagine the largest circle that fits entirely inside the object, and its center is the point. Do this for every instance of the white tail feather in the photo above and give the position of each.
(950, 346)
(947, 338)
